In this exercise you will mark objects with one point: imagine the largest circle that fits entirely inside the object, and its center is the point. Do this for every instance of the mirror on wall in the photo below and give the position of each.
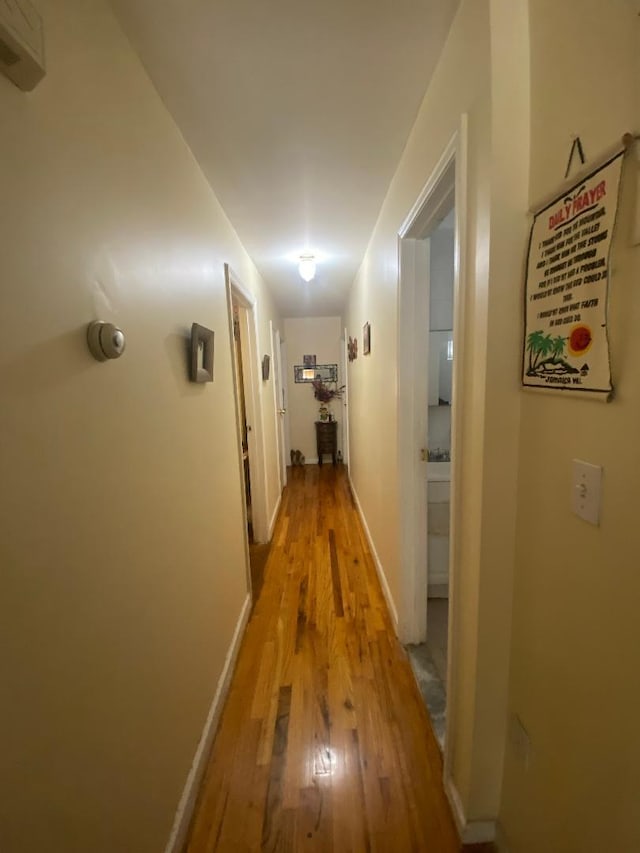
(325, 372)
(440, 367)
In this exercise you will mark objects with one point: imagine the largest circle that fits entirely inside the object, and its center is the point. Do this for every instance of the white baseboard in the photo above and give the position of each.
(274, 517)
(188, 800)
(381, 575)
(470, 831)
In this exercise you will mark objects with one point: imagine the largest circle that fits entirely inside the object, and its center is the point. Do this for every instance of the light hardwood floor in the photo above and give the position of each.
(324, 743)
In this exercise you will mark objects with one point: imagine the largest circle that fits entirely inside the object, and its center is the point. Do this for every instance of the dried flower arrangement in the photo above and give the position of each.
(324, 392)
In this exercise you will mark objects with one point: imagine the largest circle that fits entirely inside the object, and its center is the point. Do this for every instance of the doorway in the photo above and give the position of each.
(344, 361)
(430, 338)
(247, 378)
(429, 658)
(244, 426)
(280, 391)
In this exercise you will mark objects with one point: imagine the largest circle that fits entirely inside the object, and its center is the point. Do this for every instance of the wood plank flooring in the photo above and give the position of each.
(258, 555)
(324, 743)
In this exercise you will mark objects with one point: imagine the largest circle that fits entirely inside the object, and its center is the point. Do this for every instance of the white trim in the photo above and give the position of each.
(274, 517)
(448, 155)
(431, 203)
(274, 394)
(252, 374)
(376, 559)
(259, 494)
(413, 349)
(457, 428)
(470, 832)
(285, 389)
(236, 403)
(187, 802)
(439, 194)
(278, 386)
(242, 291)
(344, 381)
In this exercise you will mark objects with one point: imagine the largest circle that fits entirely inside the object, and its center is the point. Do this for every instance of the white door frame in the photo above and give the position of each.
(449, 177)
(280, 407)
(252, 375)
(413, 372)
(284, 363)
(345, 397)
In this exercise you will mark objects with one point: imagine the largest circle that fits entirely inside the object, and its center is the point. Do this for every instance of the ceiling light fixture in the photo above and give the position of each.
(307, 267)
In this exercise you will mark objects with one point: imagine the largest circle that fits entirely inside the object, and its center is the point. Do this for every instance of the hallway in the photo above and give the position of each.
(324, 743)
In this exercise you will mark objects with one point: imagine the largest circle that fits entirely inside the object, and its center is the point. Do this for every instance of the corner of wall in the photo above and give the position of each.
(393, 610)
(186, 806)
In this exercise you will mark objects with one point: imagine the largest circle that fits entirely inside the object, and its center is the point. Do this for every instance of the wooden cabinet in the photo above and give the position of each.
(327, 439)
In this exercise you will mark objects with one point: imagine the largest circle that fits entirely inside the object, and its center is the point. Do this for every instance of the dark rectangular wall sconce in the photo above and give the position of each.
(201, 354)
(366, 339)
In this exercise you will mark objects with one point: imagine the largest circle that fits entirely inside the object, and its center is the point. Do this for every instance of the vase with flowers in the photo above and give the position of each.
(325, 393)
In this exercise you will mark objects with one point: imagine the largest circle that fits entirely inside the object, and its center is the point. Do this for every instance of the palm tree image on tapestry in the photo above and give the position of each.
(546, 355)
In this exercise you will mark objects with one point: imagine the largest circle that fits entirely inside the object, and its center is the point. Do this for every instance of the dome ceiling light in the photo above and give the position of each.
(307, 267)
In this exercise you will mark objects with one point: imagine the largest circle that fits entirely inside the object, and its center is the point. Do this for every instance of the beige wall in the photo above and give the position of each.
(576, 632)
(461, 85)
(319, 336)
(121, 539)
(483, 73)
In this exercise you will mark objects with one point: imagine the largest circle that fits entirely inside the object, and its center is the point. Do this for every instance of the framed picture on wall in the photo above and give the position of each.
(309, 360)
(366, 339)
(324, 372)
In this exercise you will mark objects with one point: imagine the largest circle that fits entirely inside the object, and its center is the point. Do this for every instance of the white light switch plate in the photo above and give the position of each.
(586, 484)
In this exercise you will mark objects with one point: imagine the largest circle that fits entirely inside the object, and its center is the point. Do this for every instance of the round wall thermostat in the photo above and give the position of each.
(105, 340)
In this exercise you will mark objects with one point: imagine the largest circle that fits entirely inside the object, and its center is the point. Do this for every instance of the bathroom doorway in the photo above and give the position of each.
(431, 336)
(429, 659)
(434, 391)
(244, 426)
(247, 379)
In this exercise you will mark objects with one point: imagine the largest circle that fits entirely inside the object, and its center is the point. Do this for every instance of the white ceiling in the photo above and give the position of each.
(298, 112)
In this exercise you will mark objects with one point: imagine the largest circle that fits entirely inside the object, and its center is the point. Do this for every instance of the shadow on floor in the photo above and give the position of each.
(258, 555)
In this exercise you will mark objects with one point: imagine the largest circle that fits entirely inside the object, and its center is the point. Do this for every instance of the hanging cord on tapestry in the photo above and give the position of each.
(628, 140)
(624, 144)
(575, 144)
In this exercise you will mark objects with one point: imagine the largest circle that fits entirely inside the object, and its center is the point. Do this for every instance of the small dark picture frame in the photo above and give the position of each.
(201, 353)
(366, 339)
(309, 360)
(266, 362)
(352, 348)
